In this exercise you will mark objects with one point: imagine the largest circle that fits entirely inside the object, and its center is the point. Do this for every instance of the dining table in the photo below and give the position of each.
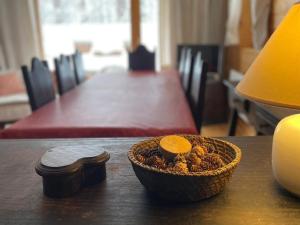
(121, 104)
(252, 195)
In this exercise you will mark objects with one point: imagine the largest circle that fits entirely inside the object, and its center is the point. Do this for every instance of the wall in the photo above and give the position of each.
(240, 57)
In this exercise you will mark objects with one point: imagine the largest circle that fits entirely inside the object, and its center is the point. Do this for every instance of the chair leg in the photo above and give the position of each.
(233, 122)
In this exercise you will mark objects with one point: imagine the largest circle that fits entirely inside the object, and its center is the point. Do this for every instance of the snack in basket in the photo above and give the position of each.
(177, 154)
(173, 145)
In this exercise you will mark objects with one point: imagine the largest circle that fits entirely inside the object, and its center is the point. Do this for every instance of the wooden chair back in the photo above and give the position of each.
(187, 72)
(211, 54)
(38, 82)
(181, 62)
(141, 59)
(197, 92)
(78, 67)
(64, 74)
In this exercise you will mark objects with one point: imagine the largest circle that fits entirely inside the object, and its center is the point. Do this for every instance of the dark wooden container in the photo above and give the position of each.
(65, 170)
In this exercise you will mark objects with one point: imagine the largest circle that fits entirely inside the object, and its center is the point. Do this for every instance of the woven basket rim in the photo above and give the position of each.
(227, 167)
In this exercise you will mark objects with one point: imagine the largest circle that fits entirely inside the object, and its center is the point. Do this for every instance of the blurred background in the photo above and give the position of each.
(104, 31)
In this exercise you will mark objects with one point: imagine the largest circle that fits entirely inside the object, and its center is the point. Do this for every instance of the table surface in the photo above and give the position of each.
(113, 105)
(251, 197)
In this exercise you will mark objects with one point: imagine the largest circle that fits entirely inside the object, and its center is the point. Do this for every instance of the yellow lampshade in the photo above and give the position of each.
(274, 76)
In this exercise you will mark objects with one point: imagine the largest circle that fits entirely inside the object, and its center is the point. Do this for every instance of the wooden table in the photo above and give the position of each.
(113, 105)
(252, 196)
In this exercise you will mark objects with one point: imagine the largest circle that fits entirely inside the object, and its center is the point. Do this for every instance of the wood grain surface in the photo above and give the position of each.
(64, 156)
(252, 196)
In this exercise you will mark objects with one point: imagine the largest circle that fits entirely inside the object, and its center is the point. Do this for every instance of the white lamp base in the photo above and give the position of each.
(286, 153)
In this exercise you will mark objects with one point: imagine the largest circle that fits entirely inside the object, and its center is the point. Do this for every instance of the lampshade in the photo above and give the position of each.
(274, 76)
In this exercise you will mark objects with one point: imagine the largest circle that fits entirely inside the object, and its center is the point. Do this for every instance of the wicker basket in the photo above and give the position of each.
(182, 187)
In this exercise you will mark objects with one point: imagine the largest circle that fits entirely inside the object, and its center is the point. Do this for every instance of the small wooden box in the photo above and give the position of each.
(66, 169)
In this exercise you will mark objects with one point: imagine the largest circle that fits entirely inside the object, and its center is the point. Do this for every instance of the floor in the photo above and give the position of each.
(221, 130)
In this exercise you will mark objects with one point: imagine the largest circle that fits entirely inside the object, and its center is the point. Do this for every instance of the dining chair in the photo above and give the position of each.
(181, 60)
(197, 92)
(64, 74)
(78, 67)
(212, 54)
(216, 104)
(187, 72)
(38, 83)
(141, 59)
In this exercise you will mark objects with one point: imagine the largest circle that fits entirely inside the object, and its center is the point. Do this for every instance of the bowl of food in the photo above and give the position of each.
(184, 168)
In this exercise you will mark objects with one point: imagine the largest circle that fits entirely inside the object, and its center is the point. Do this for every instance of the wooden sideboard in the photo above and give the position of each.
(264, 117)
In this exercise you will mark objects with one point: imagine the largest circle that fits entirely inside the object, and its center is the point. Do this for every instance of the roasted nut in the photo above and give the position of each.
(199, 150)
(195, 168)
(140, 158)
(212, 161)
(181, 167)
(199, 159)
(180, 158)
(155, 161)
(193, 159)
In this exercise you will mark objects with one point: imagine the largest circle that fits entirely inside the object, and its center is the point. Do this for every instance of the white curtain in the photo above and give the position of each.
(260, 11)
(232, 36)
(19, 32)
(189, 22)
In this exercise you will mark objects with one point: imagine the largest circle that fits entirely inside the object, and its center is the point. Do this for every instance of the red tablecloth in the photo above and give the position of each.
(114, 105)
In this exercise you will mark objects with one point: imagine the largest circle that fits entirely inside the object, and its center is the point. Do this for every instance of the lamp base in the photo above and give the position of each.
(286, 154)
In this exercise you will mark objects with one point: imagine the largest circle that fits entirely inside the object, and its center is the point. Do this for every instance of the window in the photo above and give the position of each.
(101, 29)
(149, 23)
